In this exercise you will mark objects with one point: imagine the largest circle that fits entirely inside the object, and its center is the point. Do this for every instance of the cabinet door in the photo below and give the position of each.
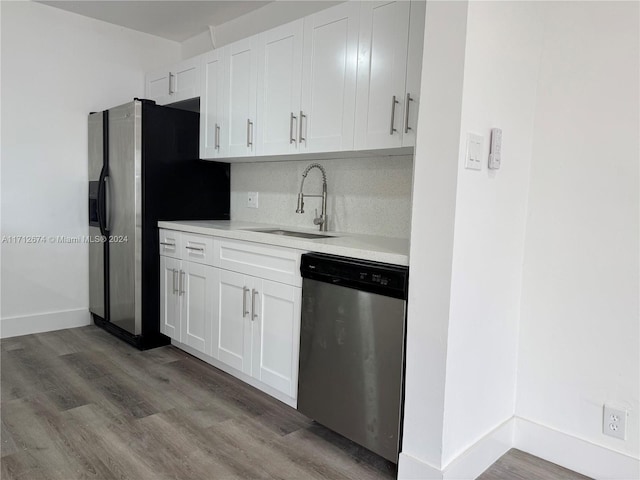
(211, 98)
(157, 86)
(241, 69)
(184, 80)
(329, 79)
(276, 335)
(234, 328)
(170, 297)
(382, 57)
(198, 312)
(414, 71)
(279, 88)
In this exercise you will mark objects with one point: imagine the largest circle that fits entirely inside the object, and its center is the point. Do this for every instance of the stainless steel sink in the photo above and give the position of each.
(290, 233)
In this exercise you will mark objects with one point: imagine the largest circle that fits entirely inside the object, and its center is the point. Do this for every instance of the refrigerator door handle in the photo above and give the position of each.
(101, 206)
(107, 202)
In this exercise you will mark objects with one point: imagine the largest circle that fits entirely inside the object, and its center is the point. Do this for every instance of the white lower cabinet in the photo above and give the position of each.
(234, 334)
(170, 297)
(244, 324)
(198, 305)
(187, 305)
(259, 329)
(276, 335)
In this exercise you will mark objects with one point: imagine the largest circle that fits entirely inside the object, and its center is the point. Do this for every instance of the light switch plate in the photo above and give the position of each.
(475, 143)
(495, 150)
(252, 200)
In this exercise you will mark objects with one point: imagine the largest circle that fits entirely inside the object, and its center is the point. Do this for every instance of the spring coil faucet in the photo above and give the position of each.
(321, 221)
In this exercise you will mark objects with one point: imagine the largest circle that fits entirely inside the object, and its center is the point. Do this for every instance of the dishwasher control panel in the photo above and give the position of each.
(374, 277)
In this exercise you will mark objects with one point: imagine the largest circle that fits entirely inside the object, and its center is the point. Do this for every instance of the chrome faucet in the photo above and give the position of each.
(321, 221)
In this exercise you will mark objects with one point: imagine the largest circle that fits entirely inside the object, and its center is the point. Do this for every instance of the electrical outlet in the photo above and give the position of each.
(252, 200)
(614, 422)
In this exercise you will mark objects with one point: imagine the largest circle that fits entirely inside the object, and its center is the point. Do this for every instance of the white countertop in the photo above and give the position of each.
(365, 247)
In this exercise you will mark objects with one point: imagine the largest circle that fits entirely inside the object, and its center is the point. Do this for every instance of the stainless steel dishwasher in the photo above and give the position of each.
(352, 349)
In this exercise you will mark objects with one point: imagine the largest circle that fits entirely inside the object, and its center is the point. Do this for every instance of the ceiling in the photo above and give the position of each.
(173, 20)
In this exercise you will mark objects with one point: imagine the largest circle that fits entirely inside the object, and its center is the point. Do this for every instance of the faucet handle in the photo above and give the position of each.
(318, 220)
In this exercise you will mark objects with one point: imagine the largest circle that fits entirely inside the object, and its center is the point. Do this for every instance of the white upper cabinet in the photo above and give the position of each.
(157, 86)
(174, 84)
(382, 72)
(345, 78)
(329, 79)
(279, 88)
(241, 78)
(414, 71)
(212, 105)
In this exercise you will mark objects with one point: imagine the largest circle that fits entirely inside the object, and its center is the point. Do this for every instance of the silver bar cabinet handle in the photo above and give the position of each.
(217, 137)
(199, 249)
(168, 244)
(253, 304)
(300, 137)
(171, 89)
(394, 102)
(245, 290)
(181, 282)
(173, 277)
(292, 135)
(249, 133)
(406, 113)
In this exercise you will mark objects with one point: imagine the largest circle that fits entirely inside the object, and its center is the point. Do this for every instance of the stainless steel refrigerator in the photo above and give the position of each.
(143, 167)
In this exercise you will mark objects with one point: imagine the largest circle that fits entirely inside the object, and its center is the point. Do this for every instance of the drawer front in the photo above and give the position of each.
(264, 261)
(197, 248)
(170, 243)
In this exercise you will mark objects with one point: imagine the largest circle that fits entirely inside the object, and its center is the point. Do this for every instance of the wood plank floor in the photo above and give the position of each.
(81, 404)
(517, 465)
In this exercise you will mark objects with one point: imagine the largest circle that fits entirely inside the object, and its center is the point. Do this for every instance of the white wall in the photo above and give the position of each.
(56, 68)
(365, 195)
(579, 334)
(257, 21)
(503, 46)
(432, 227)
(536, 322)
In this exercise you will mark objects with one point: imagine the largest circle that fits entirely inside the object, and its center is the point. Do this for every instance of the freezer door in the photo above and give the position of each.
(96, 250)
(95, 146)
(124, 216)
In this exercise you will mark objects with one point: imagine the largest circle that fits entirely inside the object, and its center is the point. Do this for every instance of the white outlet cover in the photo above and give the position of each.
(252, 200)
(614, 422)
(475, 144)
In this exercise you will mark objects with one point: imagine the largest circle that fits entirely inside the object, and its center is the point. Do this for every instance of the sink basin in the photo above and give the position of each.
(291, 233)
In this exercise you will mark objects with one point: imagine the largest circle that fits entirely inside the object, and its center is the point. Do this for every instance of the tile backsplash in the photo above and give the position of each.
(364, 195)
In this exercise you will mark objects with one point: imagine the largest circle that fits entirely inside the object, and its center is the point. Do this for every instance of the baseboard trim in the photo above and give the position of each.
(410, 468)
(43, 322)
(595, 461)
(482, 454)
(571, 452)
(466, 466)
